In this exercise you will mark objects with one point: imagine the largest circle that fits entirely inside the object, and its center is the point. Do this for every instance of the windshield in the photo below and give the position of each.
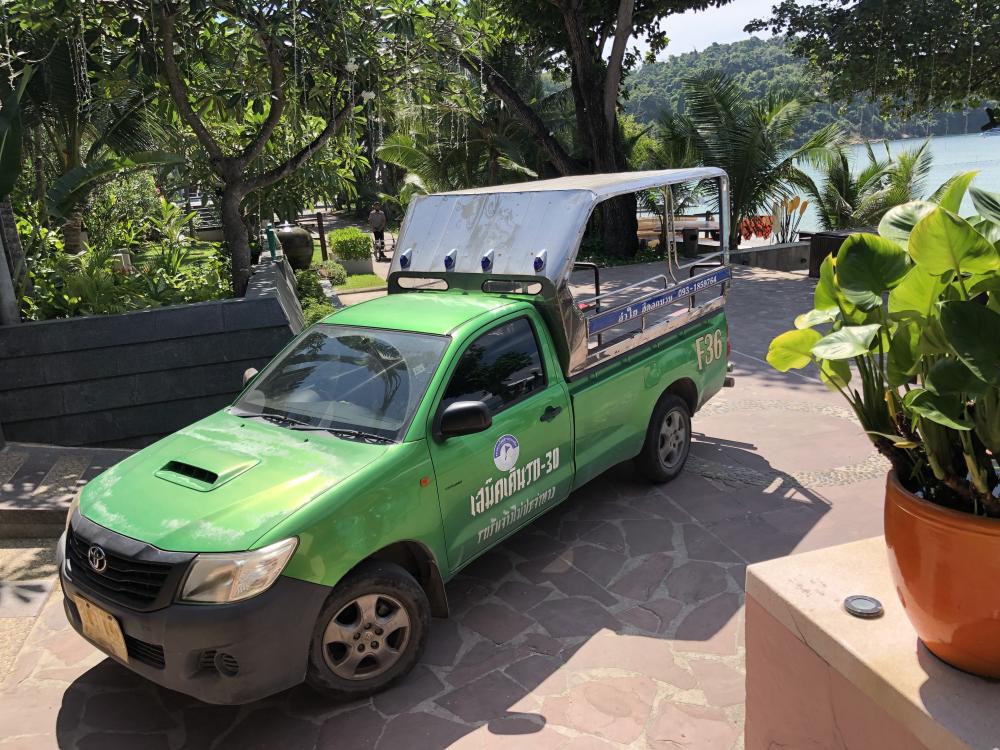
(347, 378)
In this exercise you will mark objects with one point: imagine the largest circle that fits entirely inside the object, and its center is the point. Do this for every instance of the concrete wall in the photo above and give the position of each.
(126, 380)
(790, 256)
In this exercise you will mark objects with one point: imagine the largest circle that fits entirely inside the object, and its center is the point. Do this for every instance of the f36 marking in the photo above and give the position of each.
(708, 348)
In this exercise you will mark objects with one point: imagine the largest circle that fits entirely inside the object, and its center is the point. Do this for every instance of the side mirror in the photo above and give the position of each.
(464, 418)
(249, 374)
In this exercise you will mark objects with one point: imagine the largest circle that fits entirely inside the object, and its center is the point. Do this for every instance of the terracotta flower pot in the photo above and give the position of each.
(946, 567)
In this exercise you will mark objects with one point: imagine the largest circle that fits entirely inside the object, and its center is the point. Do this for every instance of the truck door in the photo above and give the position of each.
(493, 482)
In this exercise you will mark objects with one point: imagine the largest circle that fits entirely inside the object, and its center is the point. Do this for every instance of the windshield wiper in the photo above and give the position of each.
(358, 435)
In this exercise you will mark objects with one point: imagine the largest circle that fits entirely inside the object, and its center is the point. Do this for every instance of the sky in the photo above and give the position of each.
(698, 29)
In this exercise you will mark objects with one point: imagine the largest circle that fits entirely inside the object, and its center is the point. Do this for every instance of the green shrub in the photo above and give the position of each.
(350, 243)
(313, 311)
(308, 288)
(332, 270)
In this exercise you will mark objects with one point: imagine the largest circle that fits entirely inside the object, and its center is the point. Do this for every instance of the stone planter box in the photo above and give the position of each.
(354, 267)
(788, 256)
(127, 380)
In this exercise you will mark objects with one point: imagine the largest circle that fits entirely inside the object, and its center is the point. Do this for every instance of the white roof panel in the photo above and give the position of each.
(513, 223)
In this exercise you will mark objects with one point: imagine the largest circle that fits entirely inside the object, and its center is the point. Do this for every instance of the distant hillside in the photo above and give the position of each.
(760, 64)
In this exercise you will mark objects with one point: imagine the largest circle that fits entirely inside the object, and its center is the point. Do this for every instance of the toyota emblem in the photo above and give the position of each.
(97, 558)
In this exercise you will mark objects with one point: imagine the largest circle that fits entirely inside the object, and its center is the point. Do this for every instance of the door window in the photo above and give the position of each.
(500, 368)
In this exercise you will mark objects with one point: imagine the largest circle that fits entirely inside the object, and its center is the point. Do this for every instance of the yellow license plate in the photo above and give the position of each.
(102, 628)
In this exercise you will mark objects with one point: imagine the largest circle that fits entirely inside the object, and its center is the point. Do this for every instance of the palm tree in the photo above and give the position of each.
(750, 139)
(848, 199)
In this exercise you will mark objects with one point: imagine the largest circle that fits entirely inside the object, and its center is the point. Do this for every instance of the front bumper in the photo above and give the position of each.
(218, 653)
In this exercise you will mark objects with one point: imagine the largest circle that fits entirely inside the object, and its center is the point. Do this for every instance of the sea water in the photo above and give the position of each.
(951, 154)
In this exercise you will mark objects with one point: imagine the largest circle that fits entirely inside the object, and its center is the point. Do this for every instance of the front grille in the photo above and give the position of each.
(225, 664)
(130, 582)
(147, 653)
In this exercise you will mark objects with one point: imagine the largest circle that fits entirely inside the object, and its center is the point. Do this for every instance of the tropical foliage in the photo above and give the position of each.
(916, 310)
(350, 243)
(848, 197)
(750, 139)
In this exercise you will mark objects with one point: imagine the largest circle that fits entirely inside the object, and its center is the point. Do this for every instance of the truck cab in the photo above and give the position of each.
(394, 442)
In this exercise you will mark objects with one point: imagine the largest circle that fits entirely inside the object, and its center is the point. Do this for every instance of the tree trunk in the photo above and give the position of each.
(72, 230)
(234, 231)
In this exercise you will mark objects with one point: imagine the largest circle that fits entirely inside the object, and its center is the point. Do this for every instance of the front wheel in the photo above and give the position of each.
(668, 440)
(371, 631)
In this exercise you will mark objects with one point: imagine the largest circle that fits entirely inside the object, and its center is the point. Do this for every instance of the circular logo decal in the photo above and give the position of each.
(505, 452)
(97, 559)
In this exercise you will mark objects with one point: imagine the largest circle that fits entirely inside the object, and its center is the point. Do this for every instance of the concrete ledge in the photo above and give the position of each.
(788, 256)
(818, 677)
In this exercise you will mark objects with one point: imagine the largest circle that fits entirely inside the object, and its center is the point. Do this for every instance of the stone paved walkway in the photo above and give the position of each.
(615, 621)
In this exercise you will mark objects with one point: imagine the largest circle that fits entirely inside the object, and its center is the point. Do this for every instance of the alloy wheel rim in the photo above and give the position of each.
(672, 439)
(366, 637)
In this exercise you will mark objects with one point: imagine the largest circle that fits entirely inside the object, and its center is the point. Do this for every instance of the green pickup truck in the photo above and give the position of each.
(307, 531)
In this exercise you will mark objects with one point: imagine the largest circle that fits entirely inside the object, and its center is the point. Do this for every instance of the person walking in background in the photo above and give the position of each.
(376, 220)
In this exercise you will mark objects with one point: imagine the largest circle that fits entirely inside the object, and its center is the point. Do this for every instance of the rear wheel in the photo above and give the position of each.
(371, 631)
(668, 440)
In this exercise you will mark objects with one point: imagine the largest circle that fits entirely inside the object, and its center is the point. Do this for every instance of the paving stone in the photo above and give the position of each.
(204, 724)
(710, 627)
(522, 596)
(464, 593)
(484, 699)
(419, 686)
(497, 622)
(123, 741)
(542, 644)
(572, 616)
(492, 566)
(658, 504)
(599, 564)
(418, 731)
(611, 511)
(615, 708)
(483, 657)
(269, 728)
(640, 582)
(443, 642)
(532, 672)
(696, 581)
(24, 598)
(651, 657)
(559, 571)
(531, 544)
(646, 537)
(722, 685)
(358, 730)
(702, 545)
(684, 726)
(654, 616)
(127, 711)
(47, 709)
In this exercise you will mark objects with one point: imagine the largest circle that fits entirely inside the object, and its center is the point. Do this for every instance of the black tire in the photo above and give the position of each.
(393, 590)
(659, 462)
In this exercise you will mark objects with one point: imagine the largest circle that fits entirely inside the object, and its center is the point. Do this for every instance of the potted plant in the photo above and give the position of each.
(916, 311)
(296, 244)
(352, 247)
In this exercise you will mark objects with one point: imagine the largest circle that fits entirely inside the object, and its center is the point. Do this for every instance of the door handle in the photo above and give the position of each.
(550, 413)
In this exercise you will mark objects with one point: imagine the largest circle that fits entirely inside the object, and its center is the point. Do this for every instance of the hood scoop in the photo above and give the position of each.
(205, 469)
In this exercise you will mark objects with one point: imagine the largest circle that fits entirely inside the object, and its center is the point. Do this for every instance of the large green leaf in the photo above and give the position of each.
(944, 410)
(950, 377)
(898, 222)
(904, 353)
(836, 373)
(954, 191)
(942, 241)
(986, 203)
(849, 341)
(825, 295)
(973, 333)
(816, 317)
(790, 350)
(867, 267)
(989, 229)
(987, 419)
(917, 294)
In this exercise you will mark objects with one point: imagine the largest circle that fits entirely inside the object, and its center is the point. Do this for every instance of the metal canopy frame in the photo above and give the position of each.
(510, 239)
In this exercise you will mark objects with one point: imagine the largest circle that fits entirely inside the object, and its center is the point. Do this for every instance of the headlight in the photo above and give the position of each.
(73, 507)
(214, 579)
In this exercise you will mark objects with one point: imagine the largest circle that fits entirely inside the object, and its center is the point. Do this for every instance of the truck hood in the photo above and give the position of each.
(221, 483)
